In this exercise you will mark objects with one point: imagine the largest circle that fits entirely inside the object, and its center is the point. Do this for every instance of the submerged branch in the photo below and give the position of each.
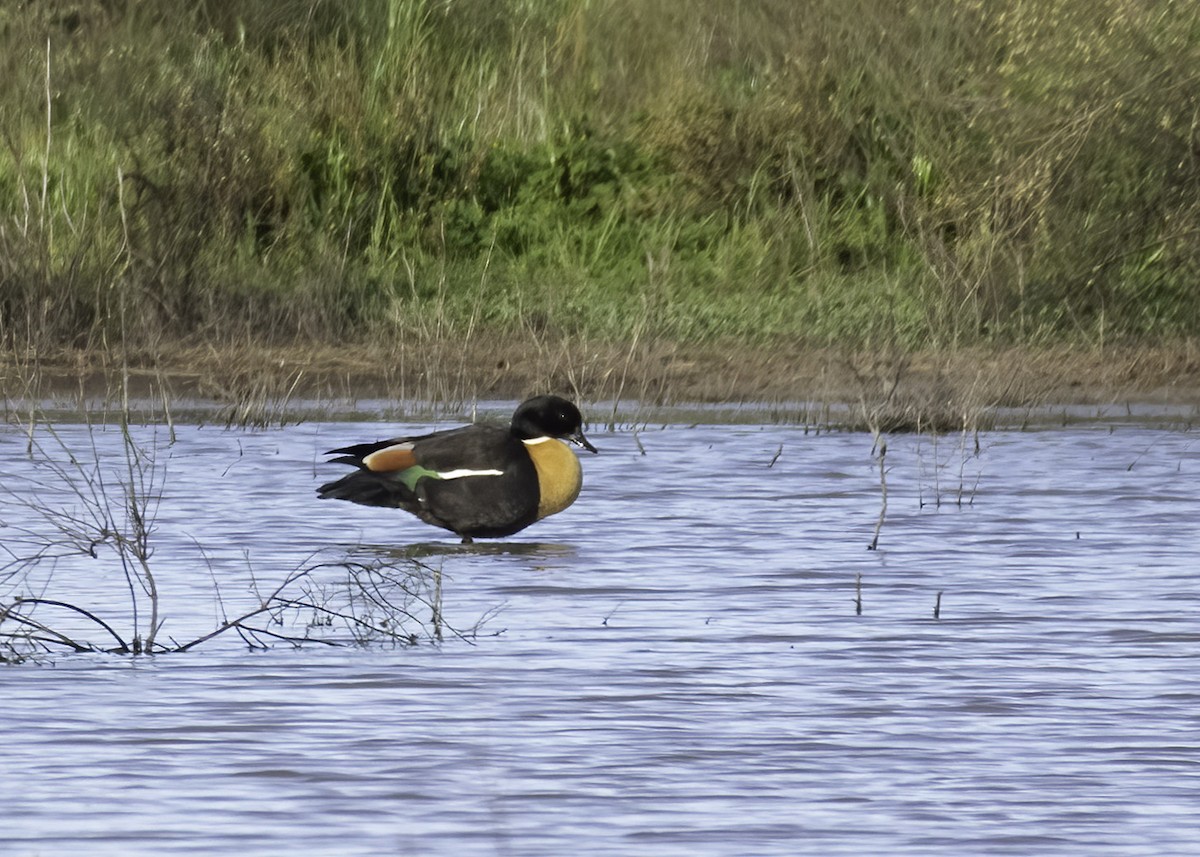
(123, 647)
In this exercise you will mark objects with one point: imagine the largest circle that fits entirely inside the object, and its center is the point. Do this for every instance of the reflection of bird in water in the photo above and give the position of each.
(477, 481)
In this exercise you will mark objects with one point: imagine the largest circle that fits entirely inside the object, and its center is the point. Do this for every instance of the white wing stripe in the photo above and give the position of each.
(459, 474)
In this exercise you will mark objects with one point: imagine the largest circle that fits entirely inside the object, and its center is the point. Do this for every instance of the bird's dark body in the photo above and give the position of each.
(477, 481)
(472, 506)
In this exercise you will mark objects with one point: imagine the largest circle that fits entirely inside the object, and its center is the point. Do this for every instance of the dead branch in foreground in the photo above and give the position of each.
(90, 503)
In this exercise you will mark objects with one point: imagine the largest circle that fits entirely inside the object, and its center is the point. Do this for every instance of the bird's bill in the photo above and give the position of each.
(579, 440)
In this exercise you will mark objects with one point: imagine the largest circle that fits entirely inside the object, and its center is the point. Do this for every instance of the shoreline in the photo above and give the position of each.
(890, 390)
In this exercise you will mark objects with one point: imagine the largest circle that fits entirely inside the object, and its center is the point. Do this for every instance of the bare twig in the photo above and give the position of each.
(881, 454)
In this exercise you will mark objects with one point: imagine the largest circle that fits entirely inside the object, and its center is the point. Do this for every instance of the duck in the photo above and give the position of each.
(478, 481)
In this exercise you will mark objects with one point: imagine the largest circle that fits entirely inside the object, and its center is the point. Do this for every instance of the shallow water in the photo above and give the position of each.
(672, 666)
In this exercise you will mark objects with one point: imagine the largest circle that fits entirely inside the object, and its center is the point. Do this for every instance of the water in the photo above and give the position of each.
(673, 666)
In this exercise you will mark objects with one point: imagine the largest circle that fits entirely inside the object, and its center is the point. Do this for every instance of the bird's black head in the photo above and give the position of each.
(550, 416)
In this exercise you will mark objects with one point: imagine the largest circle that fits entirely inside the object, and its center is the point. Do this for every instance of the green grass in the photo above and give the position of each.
(932, 174)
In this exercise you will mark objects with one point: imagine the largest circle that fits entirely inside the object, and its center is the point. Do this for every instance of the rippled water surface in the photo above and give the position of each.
(673, 666)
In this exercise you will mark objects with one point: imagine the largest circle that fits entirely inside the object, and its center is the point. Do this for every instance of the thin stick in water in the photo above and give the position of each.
(882, 443)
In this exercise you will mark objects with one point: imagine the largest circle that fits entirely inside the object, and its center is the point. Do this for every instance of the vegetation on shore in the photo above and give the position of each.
(852, 173)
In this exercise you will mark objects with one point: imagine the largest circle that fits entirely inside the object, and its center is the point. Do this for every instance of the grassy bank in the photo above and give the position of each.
(841, 173)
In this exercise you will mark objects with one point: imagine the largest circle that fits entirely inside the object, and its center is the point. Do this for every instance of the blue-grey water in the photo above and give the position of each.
(673, 666)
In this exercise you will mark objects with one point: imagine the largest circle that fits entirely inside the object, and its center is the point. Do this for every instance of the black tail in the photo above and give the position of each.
(354, 455)
(368, 489)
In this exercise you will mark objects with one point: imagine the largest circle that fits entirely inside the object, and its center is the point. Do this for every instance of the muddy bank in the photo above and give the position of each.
(653, 374)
